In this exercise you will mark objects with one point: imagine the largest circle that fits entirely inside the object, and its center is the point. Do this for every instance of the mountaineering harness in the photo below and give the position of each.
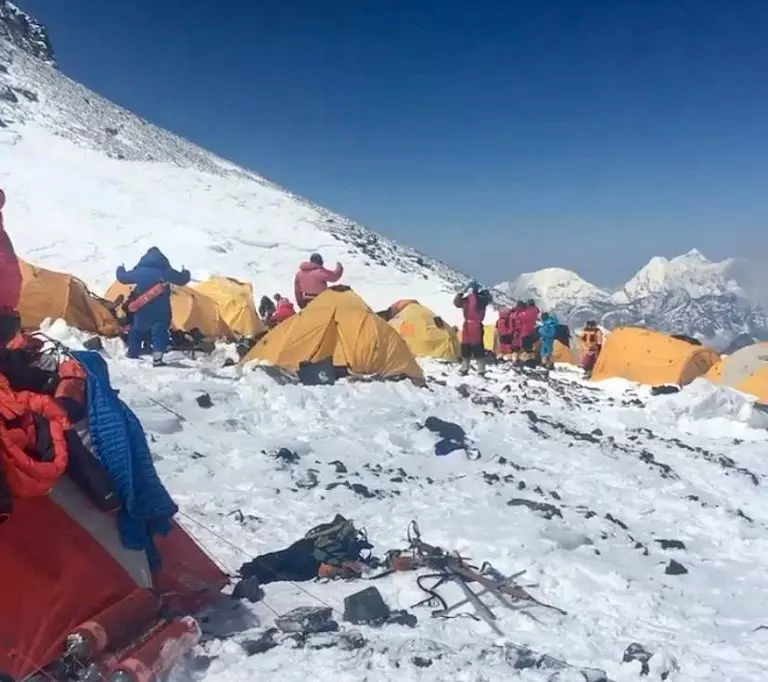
(137, 303)
(449, 567)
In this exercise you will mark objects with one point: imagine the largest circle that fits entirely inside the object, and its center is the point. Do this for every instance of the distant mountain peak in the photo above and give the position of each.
(696, 255)
(17, 27)
(552, 288)
(687, 294)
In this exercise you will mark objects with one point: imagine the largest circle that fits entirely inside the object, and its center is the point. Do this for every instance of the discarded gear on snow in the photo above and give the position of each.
(451, 567)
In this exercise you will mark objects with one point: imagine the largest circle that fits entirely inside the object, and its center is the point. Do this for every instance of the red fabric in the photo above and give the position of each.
(514, 328)
(55, 576)
(72, 381)
(149, 295)
(527, 320)
(504, 327)
(588, 360)
(283, 311)
(474, 314)
(30, 343)
(10, 273)
(26, 475)
(591, 341)
(313, 279)
(188, 579)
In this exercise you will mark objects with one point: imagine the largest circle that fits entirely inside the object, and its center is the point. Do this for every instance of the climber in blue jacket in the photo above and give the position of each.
(150, 301)
(547, 333)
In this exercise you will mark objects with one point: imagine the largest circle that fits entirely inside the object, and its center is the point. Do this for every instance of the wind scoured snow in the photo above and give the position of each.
(708, 410)
(615, 464)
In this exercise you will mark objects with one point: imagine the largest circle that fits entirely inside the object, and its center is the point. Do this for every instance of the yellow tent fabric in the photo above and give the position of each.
(756, 385)
(739, 366)
(236, 305)
(745, 370)
(189, 308)
(338, 324)
(652, 358)
(564, 354)
(425, 333)
(57, 295)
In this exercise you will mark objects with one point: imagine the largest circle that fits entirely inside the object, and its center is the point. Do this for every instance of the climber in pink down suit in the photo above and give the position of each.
(473, 302)
(313, 279)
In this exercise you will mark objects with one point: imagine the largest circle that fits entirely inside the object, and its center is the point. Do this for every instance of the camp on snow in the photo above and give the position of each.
(191, 310)
(338, 325)
(426, 334)
(235, 302)
(745, 370)
(652, 358)
(46, 294)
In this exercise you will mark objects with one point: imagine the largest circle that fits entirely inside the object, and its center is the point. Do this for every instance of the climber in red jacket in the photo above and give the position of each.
(504, 328)
(313, 279)
(283, 310)
(527, 319)
(10, 284)
(514, 330)
(473, 302)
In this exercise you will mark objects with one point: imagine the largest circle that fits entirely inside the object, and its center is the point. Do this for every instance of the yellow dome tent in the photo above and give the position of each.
(745, 370)
(57, 295)
(756, 385)
(236, 305)
(426, 334)
(189, 309)
(338, 324)
(650, 357)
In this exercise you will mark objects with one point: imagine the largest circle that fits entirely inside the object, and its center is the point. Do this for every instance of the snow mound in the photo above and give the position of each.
(706, 409)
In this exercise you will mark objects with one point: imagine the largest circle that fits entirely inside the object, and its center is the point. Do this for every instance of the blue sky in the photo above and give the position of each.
(499, 136)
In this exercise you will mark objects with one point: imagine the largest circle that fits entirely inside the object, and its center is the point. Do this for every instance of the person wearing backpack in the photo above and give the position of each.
(547, 334)
(473, 302)
(151, 301)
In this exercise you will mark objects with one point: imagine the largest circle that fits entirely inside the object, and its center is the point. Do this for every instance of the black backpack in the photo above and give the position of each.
(338, 541)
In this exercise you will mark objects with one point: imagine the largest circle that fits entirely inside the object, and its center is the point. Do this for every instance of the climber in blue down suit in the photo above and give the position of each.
(150, 301)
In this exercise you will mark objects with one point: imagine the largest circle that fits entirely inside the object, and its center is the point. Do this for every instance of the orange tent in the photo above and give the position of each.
(57, 295)
(652, 358)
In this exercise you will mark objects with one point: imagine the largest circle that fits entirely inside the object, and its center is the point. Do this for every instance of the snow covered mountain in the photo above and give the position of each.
(689, 294)
(663, 583)
(25, 32)
(82, 172)
(555, 286)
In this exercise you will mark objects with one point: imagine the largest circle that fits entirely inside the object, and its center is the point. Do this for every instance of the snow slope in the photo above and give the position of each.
(615, 471)
(607, 471)
(91, 186)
